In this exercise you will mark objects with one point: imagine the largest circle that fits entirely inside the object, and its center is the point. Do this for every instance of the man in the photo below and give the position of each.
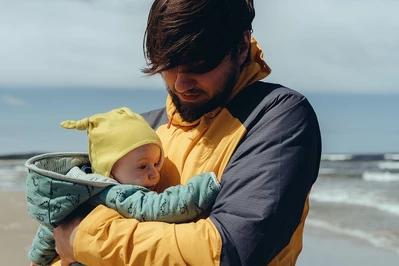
(262, 140)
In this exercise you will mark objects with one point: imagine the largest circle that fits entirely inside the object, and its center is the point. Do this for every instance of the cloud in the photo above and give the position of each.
(72, 43)
(329, 45)
(10, 100)
(315, 45)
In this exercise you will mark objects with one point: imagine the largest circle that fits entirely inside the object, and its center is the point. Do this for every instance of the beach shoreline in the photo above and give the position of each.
(321, 247)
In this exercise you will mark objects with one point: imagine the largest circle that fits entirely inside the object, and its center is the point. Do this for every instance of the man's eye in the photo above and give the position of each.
(199, 69)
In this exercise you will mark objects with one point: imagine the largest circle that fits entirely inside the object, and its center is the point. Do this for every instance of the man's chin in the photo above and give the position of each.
(190, 106)
(191, 111)
(189, 114)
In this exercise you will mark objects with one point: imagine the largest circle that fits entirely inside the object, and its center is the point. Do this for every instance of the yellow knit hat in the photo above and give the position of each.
(114, 134)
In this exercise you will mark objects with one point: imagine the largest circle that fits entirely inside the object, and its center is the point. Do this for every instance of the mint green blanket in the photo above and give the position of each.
(56, 186)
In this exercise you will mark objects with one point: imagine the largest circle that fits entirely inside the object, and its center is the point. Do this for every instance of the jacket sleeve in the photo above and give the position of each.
(264, 189)
(182, 203)
(267, 182)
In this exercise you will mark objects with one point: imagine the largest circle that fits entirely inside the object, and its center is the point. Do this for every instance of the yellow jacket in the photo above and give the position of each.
(264, 147)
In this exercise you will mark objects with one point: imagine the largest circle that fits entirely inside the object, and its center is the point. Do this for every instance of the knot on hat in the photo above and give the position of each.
(79, 125)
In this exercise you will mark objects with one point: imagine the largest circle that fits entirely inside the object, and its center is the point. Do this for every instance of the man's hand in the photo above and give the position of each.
(64, 235)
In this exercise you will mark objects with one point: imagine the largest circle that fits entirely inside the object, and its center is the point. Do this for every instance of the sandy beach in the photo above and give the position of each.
(320, 247)
(16, 228)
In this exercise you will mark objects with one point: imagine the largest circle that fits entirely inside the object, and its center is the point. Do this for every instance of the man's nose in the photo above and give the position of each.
(184, 82)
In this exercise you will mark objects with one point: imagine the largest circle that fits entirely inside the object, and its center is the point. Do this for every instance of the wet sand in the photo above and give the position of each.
(16, 228)
(321, 248)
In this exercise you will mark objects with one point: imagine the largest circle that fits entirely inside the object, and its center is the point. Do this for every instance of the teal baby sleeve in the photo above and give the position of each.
(176, 204)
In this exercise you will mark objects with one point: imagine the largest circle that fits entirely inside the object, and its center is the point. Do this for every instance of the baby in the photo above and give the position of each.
(121, 171)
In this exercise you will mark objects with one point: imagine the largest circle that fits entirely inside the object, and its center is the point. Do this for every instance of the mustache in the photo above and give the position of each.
(188, 92)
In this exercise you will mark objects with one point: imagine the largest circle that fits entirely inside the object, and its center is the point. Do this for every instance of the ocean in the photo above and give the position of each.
(356, 195)
(30, 118)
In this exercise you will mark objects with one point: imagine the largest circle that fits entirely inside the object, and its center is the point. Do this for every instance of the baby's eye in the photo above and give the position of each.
(143, 166)
(156, 164)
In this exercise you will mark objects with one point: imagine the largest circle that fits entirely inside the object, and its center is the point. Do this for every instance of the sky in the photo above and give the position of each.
(330, 50)
(322, 45)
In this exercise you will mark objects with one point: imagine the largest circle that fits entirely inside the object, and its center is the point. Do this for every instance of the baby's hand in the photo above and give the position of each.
(32, 264)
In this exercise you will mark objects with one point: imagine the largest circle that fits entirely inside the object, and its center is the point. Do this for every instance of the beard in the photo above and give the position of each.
(193, 111)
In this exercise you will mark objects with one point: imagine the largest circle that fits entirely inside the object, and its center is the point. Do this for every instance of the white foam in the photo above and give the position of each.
(368, 199)
(12, 162)
(336, 157)
(7, 174)
(20, 168)
(11, 179)
(380, 176)
(388, 165)
(391, 157)
(326, 171)
(380, 241)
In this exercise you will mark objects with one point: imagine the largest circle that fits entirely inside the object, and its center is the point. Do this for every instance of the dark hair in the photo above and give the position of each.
(192, 32)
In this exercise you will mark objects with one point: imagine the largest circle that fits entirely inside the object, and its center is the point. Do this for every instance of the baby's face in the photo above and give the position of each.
(139, 167)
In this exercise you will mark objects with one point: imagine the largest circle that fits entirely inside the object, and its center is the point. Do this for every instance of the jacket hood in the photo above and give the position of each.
(254, 69)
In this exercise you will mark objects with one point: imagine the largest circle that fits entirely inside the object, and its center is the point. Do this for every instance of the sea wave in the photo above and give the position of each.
(7, 174)
(380, 176)
(327, 171)
(388, 165)
(336, 157)
(11, 179)
(20, 168)
(386, 241)
(12, 162)
(391, 156)
(368, 199)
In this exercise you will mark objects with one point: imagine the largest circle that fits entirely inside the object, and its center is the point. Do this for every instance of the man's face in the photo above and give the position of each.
(195, 94)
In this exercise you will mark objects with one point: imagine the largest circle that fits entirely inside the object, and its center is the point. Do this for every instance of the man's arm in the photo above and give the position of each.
(267, 181)
(264, 188)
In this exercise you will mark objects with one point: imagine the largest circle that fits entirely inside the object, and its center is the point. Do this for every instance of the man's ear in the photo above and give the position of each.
(243, 48)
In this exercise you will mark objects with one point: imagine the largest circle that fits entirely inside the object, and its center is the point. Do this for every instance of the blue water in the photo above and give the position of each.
(358, 123)
(350, 123)
(35, 124)
(357, 196)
